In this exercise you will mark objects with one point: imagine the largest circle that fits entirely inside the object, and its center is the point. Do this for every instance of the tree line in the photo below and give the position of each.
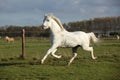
(105, 25)
(30, 31)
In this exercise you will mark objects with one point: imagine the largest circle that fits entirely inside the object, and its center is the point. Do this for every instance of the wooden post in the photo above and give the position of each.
(23, 44)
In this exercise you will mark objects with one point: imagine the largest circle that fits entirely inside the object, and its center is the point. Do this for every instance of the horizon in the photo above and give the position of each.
(61, 21)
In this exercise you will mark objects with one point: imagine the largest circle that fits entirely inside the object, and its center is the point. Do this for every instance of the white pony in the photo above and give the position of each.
(62, 38)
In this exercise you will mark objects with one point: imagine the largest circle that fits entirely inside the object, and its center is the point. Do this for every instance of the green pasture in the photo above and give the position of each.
(106, 67)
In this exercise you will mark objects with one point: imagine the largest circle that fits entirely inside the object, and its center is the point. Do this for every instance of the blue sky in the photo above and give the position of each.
(31, 12)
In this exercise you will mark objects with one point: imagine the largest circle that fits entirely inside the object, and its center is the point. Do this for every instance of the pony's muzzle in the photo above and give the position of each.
(44, 27)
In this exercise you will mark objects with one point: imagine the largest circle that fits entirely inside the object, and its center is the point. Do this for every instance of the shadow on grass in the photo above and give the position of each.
(17, 62)
(53, 61)
(34, 61)
(10, 64)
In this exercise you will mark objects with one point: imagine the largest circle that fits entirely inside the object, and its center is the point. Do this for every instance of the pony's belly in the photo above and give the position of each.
(68, 44)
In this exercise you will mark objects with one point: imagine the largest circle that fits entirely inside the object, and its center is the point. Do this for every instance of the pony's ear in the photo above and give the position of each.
(45, 14)
(49, 14)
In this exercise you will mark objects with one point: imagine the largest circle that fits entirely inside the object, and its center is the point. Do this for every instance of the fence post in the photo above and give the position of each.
(23, 44)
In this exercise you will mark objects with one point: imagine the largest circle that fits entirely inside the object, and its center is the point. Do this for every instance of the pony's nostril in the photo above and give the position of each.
(42, 26)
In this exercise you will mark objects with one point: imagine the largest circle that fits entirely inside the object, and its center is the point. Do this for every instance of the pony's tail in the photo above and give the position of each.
(93, 37)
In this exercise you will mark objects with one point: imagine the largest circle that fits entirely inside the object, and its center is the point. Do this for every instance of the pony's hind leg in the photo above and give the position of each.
(74, 51)
(87, 48)
(71, 60)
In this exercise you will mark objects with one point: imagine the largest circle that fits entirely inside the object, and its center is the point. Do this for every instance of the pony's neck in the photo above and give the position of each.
(55, 28)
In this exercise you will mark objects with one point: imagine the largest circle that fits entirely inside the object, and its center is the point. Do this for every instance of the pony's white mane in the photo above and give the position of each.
(56, 19)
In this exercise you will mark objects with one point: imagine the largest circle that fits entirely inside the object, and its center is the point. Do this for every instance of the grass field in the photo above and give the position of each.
(106, 67)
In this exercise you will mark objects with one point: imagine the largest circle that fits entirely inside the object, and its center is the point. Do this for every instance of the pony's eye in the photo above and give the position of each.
(48, 20)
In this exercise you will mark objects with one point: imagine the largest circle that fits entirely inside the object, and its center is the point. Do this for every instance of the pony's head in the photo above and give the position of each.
(49, 20)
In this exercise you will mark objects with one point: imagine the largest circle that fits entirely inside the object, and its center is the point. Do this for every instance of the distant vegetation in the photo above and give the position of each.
(105, 25)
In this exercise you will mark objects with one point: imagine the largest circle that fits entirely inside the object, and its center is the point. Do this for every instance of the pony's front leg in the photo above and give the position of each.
(43, 59)
(56, 56)
(51, 50)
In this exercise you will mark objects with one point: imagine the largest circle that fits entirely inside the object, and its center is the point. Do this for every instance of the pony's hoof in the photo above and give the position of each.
(59, 56)
(68, 64)
(41, 62)
(94, 58)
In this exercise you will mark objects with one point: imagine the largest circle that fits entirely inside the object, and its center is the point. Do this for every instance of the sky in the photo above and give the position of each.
(31, 12)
